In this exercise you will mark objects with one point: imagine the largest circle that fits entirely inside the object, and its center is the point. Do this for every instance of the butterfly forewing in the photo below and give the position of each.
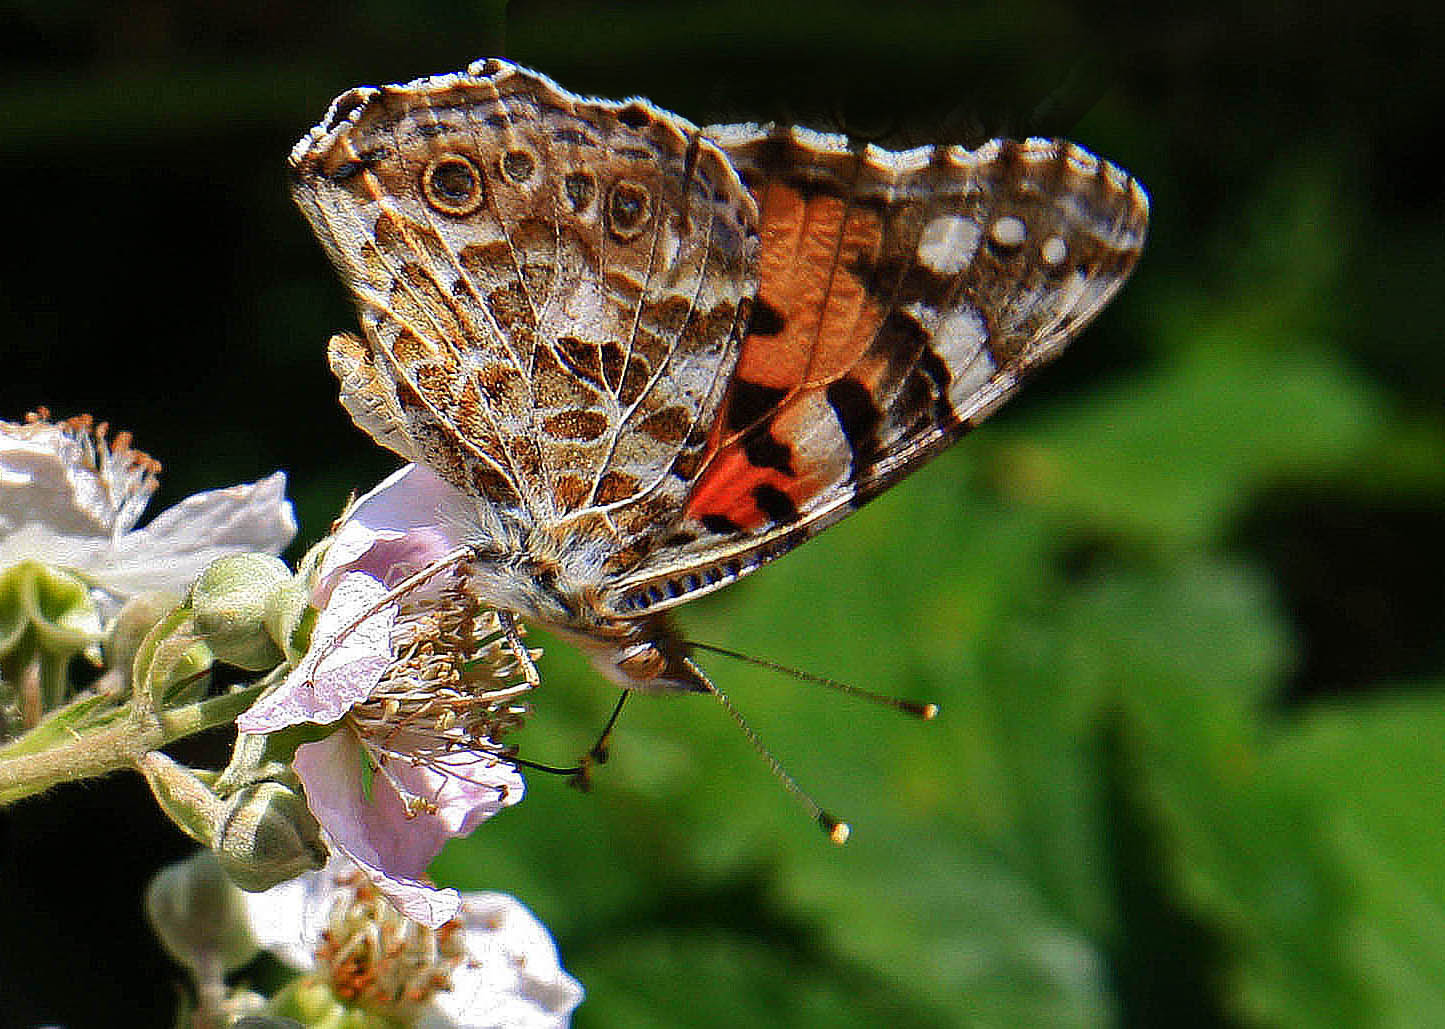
(552, 288)
(902, 298)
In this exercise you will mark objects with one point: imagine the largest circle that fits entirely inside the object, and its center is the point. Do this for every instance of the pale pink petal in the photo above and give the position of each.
(371, 831)
(332, 677)
(467, 787)
(36, 541)
(288, 919)
(512, 976)
(69, 500)
(387, 556)
(372, 826)
(45, 481)
(417, 899)
(413, 497)
(177, 545)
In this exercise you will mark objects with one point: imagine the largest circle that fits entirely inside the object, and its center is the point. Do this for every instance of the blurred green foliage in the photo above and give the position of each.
(1181, 604)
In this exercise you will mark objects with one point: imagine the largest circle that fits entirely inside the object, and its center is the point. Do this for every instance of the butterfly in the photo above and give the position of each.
(655, 357)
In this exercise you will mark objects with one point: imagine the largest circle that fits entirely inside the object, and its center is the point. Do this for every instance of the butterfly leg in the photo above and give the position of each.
(598, 753)
(526, 663)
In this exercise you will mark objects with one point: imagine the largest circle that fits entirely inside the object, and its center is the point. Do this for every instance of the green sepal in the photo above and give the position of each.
(281, 745)
(172, 662)
(184, 795)
(56, 605)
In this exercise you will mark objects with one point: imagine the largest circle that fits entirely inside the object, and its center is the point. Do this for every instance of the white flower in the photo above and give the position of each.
(494, 965)
(70, 499)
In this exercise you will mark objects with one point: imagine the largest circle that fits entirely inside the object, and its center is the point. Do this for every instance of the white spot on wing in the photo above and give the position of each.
(948, 243)
(970, 378)
(1009, 231)
(1054, 251)
(958, 338)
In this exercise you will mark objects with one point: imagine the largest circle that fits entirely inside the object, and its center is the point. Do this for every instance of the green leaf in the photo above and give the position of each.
(1172, 457)
(1378, 771)
(1193, 655)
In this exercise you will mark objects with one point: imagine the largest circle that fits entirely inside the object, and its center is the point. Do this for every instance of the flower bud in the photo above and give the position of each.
(184, 797)
(139, 615)
(229, 602)
(266, 835)
(200, 916)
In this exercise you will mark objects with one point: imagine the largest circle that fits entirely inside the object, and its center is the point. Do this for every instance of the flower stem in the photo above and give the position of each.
(116, 745)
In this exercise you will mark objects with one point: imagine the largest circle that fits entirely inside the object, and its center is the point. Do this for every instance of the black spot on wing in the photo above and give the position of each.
(766, 451)
(776, 155)
(634, 116)
(720, 524)
(902, 280)
(774, 503)
(362, 161)
(859, 418)
(766, 320)
(749, 402)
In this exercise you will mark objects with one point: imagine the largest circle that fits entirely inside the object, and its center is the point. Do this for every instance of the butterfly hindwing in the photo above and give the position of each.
(902, 298)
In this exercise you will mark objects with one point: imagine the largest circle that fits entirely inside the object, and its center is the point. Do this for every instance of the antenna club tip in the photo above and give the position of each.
(928, 712)
(838, 832)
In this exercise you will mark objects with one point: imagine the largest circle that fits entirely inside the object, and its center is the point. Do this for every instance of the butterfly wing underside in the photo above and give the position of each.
(902, 298)
(552, 291)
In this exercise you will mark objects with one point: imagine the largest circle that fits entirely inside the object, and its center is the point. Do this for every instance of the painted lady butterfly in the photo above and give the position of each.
(657, 357)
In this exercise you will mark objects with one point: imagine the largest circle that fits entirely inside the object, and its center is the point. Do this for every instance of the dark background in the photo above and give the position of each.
(1182, 602)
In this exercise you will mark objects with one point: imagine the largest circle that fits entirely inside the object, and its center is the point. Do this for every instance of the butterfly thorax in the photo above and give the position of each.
(544, 583)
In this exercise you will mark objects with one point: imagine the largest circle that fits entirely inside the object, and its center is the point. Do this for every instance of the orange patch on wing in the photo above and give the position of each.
(809, 243)
(808, 246)
(727, 488)
(726, 491)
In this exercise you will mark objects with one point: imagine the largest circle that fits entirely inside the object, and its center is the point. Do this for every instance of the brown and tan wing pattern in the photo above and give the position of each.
(903, 297)
(552, 291)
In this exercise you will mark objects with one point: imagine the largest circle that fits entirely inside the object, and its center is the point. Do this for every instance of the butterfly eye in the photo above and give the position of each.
(579, 188)
(628, 210)
(642, 662)
(517, 165)
(452, 185)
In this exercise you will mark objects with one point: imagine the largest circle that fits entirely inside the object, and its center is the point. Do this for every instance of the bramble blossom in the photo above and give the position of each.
(492, 965)
(421, 686)
(70, 499)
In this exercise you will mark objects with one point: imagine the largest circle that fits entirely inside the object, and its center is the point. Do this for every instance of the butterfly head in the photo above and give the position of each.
(644, 654)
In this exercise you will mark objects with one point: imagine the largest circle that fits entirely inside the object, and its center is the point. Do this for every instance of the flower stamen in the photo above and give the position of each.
(126, 477)
(374, 956)
(448, 694)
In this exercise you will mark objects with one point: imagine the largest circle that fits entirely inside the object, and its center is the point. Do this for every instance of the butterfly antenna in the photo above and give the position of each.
(579, 774)
(836, 829)
(925, 712)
